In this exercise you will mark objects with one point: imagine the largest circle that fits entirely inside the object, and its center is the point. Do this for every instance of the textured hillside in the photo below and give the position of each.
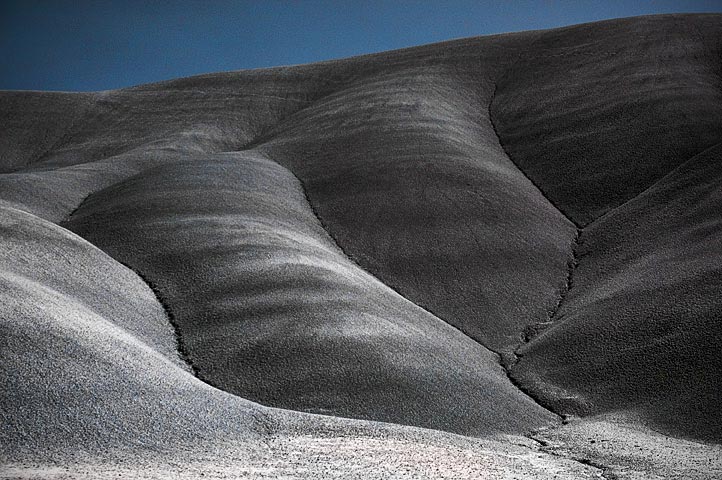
(516, 238)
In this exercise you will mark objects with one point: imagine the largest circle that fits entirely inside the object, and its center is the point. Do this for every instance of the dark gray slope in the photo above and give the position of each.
(34, 124)
(219, 114)
(596, 113)
(271, 310)
(406, 172)
(89, 363)
(214, 112)
(640, 328)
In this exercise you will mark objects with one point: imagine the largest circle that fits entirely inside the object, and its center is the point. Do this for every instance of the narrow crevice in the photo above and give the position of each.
(265, 426)
(505, 360)
(509, 360)
(77, 207)
(546, 447)
(572, 265)
(181, 348)
(180, 344)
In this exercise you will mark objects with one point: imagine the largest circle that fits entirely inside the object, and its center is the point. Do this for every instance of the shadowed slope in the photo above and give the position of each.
(36, 123)
(640, 328)
(406, 172)
(271, 310)
(596, 113)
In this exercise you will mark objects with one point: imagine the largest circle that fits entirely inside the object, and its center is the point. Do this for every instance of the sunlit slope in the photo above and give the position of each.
(89, 360)
(271, 310)
(640, 327)
(93, 388)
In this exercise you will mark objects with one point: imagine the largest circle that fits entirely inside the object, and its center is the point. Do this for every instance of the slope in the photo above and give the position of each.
(93, 388)
(270, 309)
(596, 113)
(639, 330)
(89, 358)
(606, 235)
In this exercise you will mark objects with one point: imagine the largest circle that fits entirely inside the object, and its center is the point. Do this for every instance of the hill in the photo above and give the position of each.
(513, 238)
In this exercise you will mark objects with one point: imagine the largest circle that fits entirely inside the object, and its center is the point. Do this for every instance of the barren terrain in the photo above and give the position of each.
(494, 257)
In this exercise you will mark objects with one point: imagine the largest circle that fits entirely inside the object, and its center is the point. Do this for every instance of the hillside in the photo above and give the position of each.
(494, 256)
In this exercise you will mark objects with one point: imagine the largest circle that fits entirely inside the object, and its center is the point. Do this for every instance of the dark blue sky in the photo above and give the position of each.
(83, 45)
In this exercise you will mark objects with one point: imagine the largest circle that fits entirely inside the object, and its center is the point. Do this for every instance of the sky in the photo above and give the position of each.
(99, 45)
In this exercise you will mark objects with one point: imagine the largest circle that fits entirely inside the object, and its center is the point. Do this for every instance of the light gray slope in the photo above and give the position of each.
(89, 364)
(53, 194)
(92, 388)
(596, 113)
(271, 310)
(621, 448)
(38, 252)
(640, 328)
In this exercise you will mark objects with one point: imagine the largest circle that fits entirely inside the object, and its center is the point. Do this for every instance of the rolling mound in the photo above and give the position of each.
(334, 268)
(271, 310)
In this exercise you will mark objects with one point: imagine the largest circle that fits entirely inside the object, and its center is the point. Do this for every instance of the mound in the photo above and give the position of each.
(89, 359)
(269, 309)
